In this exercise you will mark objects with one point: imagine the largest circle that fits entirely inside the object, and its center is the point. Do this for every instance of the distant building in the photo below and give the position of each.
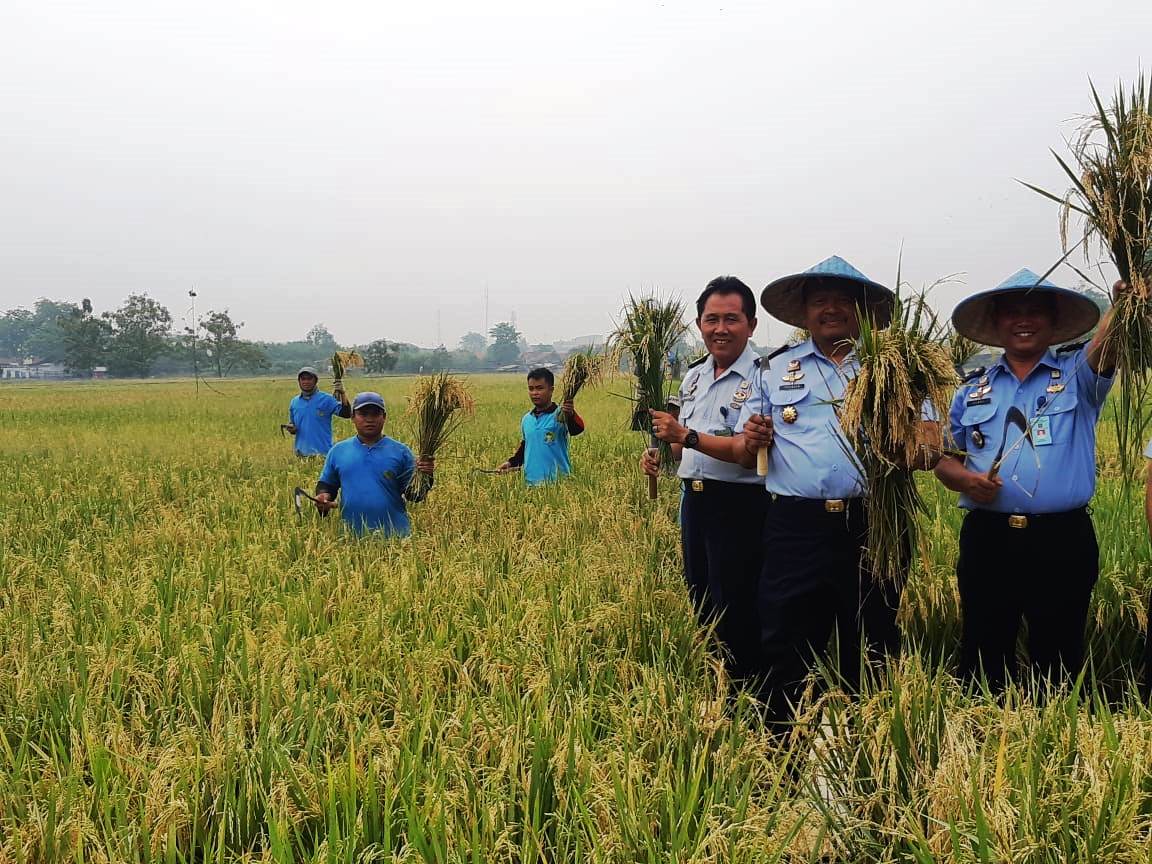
(16, 369)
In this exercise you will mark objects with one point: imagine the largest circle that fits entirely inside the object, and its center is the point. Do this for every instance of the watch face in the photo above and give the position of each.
(692, 439)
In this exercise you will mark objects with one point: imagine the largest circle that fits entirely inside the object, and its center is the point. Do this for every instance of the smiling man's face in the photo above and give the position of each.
(1024, 323)
(830, 315)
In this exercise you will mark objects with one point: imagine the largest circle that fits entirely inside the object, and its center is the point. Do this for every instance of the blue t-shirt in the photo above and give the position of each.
(372, 479)
(312, 417)
(545, 447)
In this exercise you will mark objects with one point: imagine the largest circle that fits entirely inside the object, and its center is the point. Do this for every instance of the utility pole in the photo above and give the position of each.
(195, 328)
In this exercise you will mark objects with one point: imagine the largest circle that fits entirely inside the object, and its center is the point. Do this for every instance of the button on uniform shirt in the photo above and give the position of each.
(712, 406)
(1061, 398)
(312, 417)
(545, 441)
(807, 458)
(372, 479)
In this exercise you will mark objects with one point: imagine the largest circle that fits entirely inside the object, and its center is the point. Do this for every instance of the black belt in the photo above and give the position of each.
(828, 505)
(1028, 520)
(701, 485)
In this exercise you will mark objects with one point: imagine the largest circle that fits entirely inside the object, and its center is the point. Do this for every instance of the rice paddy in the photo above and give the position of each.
(189, 672)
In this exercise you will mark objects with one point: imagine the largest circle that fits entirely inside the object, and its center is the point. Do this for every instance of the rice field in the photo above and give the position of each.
(191, 673)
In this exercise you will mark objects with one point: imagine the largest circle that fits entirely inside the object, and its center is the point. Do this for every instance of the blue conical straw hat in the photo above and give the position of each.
(784, 298)
(975, 316)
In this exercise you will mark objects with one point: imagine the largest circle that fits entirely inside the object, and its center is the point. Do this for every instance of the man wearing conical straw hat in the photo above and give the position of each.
(816, 583)
(1025, 468)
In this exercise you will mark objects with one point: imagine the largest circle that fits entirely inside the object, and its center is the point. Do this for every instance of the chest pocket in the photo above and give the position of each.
(1062, 409)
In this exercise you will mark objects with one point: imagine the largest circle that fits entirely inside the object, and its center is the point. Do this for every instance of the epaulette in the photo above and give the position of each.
(697, 362)
(1072, 346)
(966, 377)
(779, 351)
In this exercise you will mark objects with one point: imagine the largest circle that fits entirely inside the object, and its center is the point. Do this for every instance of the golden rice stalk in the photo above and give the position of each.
(1111, 194)
(650, 330)
(438, 405)
(343, 360)
(583, 368)
(904, 369)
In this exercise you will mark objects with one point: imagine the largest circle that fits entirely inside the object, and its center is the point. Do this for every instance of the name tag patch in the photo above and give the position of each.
(1042, 431)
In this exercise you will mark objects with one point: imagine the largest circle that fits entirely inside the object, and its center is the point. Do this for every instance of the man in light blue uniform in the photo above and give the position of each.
(310, 414)
(1025, 468)
(815, 583)
(371, 474)
(545, 432)
(723, 505)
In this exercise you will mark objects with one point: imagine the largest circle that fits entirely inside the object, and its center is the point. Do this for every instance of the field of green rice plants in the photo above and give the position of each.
(190, 673)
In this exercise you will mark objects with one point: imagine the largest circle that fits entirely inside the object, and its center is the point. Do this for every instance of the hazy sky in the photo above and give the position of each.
(374, 166)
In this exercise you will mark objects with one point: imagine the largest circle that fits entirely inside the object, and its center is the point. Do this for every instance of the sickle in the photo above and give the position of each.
(298, 494)
(1014, 417)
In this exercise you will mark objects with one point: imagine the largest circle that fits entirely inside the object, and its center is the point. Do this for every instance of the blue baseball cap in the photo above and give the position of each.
(363, 400)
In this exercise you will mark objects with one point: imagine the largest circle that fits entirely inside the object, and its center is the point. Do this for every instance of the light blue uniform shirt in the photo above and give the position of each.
(712, 406)
(545, 447)
(372, 479)
(312, 417)
(808, 457)
(1061, 398)
(1148, 450)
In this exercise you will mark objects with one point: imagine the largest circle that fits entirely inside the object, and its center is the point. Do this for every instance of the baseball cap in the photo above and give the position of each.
(367, 398)
(307, 370)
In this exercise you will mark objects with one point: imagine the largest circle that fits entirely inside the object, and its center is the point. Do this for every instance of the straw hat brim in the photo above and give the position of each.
(975, 316)
(783, 299)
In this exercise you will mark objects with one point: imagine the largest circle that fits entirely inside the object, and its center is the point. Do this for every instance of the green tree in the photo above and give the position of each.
(16, 326)
(505, 347)
(473, 343)
(47, 339)
(85, 339)
(140, 329)
(379, 356)
(224, 349)
(321, 338)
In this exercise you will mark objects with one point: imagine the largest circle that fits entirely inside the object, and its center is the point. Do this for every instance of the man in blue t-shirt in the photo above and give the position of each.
(545, 430)
(310, 414)
(371, 474)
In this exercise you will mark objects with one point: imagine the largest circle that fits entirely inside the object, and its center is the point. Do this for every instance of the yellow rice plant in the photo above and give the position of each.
(1111, 195)
(438, 405)
(904, 370)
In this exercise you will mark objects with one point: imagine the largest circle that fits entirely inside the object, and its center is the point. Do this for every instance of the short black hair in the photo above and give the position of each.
(542, 374)
(728, 285)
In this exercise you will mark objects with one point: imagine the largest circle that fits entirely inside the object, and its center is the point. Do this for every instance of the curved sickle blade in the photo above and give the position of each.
(1014, 417)
(298, 496)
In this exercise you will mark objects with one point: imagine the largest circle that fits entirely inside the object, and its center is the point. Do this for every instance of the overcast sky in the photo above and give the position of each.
(376, 166)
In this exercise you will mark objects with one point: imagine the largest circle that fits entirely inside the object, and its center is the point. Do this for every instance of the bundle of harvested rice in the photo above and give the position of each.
(650, 330)
(342, 361)
(583, 368)
(1111, 194)
(438, 405)
(903, 368)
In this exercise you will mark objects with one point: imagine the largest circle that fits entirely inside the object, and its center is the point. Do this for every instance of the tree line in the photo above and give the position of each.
(139, 339)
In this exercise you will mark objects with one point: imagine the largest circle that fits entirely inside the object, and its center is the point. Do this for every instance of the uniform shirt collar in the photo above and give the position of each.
(540, 412)
(743, 366)
(808, 347)
(1049, 360)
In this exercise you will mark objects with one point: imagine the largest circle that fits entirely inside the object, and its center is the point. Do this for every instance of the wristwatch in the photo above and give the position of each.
(692, 439)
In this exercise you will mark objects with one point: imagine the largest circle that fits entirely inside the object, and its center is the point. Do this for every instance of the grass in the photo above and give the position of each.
(190, 673)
